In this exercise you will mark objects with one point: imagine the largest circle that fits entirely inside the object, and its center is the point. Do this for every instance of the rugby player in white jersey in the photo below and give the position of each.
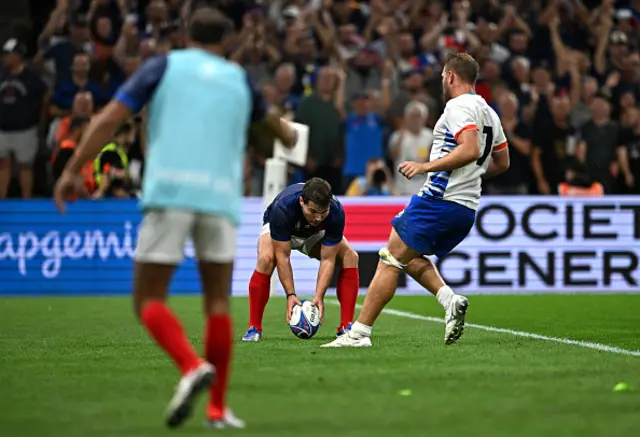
(468, 144)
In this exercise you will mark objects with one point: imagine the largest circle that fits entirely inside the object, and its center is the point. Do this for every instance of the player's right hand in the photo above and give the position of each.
(67, 186)
(292, 300)
(409, 169)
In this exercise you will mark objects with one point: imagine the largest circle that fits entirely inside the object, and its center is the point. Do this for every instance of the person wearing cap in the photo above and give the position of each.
(23, 102)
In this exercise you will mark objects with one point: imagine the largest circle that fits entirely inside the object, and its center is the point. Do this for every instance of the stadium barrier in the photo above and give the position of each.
(518, 245)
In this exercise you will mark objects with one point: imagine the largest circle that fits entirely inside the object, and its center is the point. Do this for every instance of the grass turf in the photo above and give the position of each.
(83, 367)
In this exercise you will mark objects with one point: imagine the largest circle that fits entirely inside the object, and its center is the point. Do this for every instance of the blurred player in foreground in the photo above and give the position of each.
(307, 218)
(469, 144)
(200, 107)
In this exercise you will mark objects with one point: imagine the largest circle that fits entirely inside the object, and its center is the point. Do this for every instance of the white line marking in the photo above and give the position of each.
(585, 344)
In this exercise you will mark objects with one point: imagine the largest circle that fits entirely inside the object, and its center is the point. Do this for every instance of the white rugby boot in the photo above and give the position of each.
(350, 339)
(229, 420)
(454, 319)
(190, 386)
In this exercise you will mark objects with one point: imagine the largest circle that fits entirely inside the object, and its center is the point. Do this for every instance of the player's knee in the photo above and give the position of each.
(266, 262)
(217, 305)
(389, 260)
(350, 258)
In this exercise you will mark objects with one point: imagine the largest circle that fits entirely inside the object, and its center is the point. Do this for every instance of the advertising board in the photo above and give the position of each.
(518, 245)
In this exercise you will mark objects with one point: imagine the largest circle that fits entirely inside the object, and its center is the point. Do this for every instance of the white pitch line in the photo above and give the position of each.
(585, 344)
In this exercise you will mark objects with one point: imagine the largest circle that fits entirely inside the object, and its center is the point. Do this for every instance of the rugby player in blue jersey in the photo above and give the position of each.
(307, 218)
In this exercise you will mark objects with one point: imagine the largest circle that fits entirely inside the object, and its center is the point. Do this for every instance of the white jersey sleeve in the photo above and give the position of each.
(463, 185)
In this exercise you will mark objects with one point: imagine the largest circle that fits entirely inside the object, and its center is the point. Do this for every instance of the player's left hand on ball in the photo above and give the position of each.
(409, 169)
(291, 302)
(319, 302)
(68, 185)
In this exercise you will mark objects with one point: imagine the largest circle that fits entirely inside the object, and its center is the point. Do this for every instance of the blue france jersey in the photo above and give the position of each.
(200, 108)
(286, 219)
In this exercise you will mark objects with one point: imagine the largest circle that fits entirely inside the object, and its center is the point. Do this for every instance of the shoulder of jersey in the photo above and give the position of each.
(462, 100)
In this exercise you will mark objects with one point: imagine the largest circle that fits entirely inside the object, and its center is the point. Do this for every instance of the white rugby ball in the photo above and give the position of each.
(305, 320)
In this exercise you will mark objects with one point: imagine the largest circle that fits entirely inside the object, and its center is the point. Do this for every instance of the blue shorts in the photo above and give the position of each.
(433, 226)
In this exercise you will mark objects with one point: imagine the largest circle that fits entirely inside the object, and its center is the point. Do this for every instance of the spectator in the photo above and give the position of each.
(581, 112)
(256, 54)
(82, 107)
(600, 138)
(413, 89)
(60, 49)
(363, 137)
(105, 21)
(412, 142)
(23, 102)
(363, 127)
(284, 80)
(516, 179)
(66, 91)
(112, 166)
(628, 152)
(326, 138)
(157, 20)
(65, 151)
(376, 181)
(551, 145)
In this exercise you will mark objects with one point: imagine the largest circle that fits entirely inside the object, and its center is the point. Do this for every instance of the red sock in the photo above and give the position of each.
(166, 330)
(347, 291)
(219, 345)
(259, 289)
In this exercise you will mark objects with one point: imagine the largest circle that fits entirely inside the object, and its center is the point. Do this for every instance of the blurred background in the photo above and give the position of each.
(564, 75)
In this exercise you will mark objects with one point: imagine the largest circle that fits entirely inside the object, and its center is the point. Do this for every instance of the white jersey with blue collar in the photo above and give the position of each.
(463, 185)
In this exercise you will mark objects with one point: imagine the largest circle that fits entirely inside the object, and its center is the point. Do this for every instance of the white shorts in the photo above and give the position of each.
(163, 234)
(302, 245)
(23, 145)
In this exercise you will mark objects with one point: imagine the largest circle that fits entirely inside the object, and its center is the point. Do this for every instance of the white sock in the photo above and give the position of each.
(361, 330)
(444, 296)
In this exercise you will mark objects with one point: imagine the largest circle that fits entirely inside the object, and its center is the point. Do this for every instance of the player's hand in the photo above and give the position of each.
(543, 187)
(319, 302)
(68, 185)
(409, 169)
(292, 300)
(629, 180)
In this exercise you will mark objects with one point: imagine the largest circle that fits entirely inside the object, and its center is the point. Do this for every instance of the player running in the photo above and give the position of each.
(469, 144)
(307, 218)
(200, 106)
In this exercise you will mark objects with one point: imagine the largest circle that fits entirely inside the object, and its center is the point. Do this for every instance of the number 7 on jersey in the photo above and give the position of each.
(488, 145)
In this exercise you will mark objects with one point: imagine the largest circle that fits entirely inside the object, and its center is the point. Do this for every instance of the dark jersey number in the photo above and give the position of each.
(488, 144)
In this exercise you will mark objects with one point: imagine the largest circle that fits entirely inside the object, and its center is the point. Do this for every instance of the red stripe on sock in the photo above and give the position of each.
(167, 331)
(347, 291)
(219, 348)
(259, 289)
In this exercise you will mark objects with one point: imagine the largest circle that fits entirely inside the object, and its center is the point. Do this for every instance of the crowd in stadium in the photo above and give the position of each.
(564, 76)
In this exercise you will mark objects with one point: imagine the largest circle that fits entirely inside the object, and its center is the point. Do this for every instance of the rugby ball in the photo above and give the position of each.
(305, 320)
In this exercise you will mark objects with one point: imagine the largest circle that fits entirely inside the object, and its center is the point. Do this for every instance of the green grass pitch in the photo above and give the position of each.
(82, 367)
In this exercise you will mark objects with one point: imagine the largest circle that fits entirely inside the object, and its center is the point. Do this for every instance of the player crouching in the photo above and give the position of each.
(309, 219)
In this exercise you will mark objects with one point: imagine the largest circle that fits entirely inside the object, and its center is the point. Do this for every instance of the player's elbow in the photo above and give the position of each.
(503, 162)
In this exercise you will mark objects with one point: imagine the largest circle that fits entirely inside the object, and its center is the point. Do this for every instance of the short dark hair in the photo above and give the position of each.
(317, 191)
(208, 25)
(463, 65)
